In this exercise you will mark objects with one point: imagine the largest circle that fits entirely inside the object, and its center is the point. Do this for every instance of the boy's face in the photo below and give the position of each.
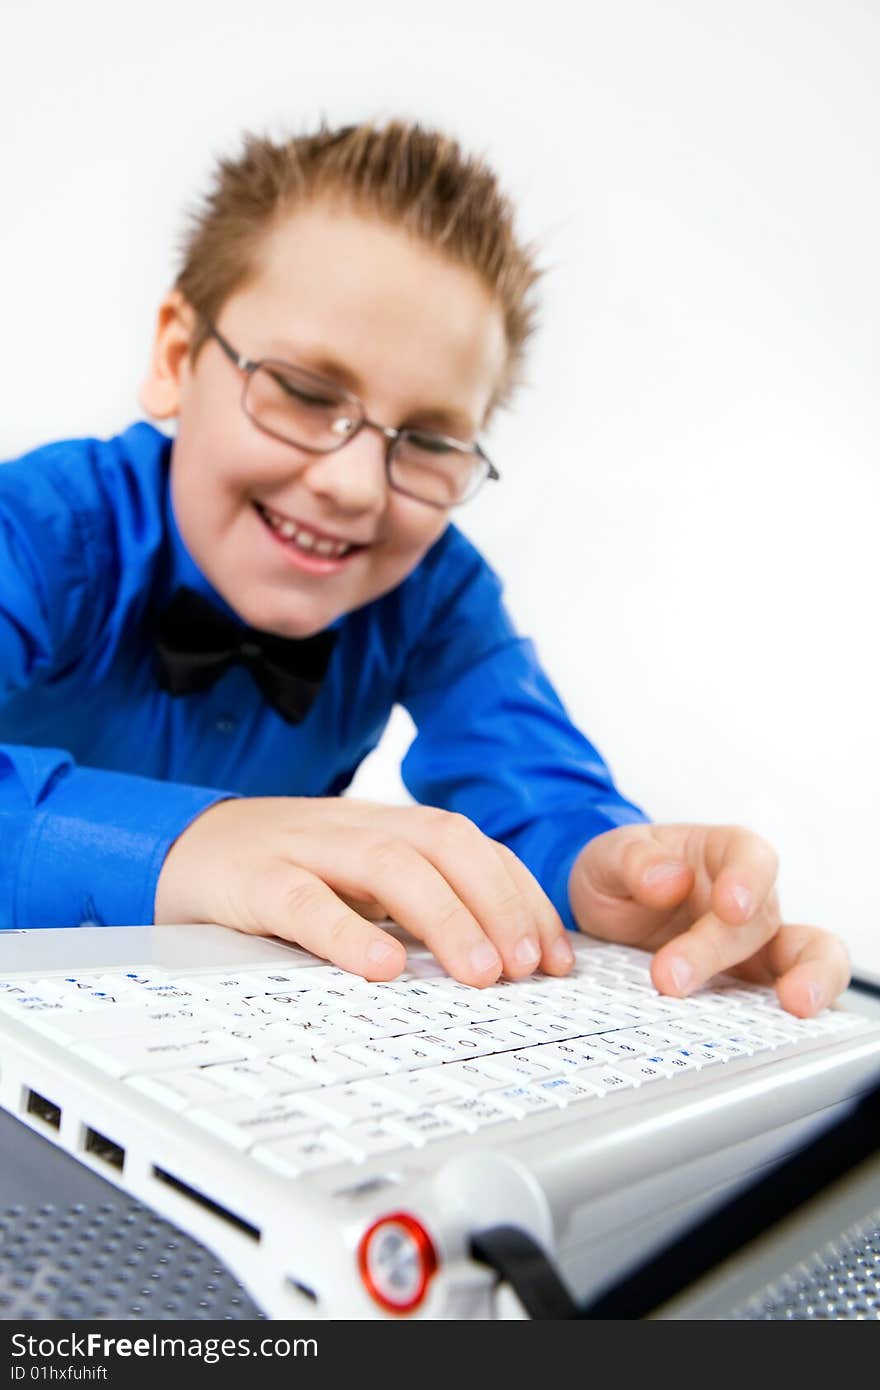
(419, 339)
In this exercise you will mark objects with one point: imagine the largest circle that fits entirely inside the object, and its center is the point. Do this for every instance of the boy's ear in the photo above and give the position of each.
(159, 395)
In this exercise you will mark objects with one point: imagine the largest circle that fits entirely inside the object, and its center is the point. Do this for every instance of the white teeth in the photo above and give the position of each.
(304, 539)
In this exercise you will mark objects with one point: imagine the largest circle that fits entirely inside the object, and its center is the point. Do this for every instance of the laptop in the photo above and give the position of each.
(416, 1148)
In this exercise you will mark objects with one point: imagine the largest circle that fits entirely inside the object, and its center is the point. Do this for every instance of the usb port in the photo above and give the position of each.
(103, 1148)
(47, 1110)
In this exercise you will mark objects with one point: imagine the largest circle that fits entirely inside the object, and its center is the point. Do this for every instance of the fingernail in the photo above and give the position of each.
(816, 994)
(484, 957)
(527, 952)
(743, 899)
(381, 954)
(659, 873)
(561, 953)
(682, 973)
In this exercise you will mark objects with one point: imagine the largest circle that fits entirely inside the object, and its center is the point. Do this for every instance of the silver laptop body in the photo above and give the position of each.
(597, 1181)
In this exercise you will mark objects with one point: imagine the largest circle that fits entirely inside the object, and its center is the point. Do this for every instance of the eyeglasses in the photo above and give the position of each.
(317, 415)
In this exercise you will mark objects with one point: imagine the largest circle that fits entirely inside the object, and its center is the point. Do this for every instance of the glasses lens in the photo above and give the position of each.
(435, 469)
(300, 408)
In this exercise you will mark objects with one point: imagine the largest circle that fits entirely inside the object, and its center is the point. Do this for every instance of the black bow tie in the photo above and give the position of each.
(196, 644)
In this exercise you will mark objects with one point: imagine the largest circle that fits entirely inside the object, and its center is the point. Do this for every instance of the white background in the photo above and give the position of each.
(689, 515)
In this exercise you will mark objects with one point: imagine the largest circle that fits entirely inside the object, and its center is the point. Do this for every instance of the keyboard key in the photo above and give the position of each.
(126, 1056)
(243, 1123)
(331, 977)
(396, 1021)
(114, 981)
(423, 1126)
(643, 1069)
(613, 1010)
(411, 1091)
(256, 1079)
(317, 1032)
(695, 1029)
(571, 1056)
(513, 1034)
(220, 986)
(553, 1027)
(832, 1021)
(327, 1070)
(709, 1052)
(683, 1059)
(469, 1042)
(263, 1038)
(148, 991)
(181, 1090)
(27, 1004)
(588, 1024)
(351, 1104)
(475, 1078)
(369, 1139)
(739, 1045)
(77, 994)
(522, 1100)
(531, 1063)
(442, 1045)
(654, 1037)
(473, 1112)
(565, 1090)
(455, 1013)
(283, 981)
(396, 1054)
(595, 1048)
(66, 1025)
(307, 1153)
(606, 1080)
(613, 1045)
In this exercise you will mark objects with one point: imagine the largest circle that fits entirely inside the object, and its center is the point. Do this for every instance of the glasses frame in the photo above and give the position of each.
(392, 436)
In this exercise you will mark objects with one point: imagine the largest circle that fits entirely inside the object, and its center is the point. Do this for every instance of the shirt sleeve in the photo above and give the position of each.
(77, 844)
(494, 740)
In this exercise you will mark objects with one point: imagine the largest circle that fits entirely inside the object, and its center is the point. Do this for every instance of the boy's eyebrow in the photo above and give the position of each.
(322, 363)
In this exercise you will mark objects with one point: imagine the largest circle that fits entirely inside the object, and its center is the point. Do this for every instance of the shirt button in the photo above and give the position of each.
(224, 725)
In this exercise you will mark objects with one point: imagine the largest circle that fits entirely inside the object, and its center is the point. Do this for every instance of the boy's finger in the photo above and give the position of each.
(813, 967)
(297, 906)
(744, 868)
(390, 871)
(557, 956)
(707, 948)
(499, 892)
(633, 862)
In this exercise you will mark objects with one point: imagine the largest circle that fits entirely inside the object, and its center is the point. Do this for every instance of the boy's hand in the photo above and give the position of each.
(315, 870)
(709, 892)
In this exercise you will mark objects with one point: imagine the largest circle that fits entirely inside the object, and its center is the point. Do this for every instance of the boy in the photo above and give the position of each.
(201, 640)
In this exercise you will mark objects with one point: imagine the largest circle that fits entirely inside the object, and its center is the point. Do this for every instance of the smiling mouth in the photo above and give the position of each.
(301, 538)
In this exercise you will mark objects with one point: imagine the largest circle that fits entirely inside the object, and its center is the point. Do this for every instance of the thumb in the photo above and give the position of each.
(625, 882)
(636, 861)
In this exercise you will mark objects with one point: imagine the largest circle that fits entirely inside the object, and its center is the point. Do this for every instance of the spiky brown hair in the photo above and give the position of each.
(416, 178)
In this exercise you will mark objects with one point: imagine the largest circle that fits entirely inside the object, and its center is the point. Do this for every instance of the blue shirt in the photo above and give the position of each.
(101, 769)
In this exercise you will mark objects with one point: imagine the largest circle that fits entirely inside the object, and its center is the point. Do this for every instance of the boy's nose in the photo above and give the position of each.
(354, 477)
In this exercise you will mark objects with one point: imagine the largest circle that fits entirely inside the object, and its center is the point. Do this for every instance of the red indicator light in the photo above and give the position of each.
(397, 1259)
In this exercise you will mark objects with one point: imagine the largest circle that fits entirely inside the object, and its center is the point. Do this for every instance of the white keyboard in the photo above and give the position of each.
(309, 1067)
